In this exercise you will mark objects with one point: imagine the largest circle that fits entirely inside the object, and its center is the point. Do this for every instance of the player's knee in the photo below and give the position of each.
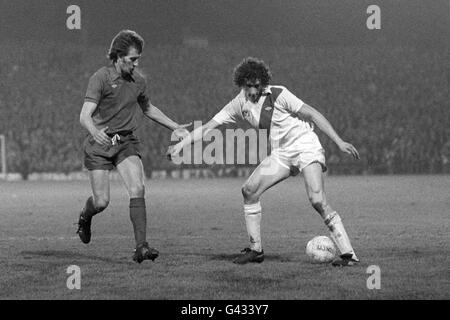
(249, 192)
(137, 191)
(101, 203)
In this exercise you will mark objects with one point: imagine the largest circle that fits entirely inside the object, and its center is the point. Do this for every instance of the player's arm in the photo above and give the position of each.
(194, 136)
(154, 113)
(311, 114)
(86, 121)
(228, 114)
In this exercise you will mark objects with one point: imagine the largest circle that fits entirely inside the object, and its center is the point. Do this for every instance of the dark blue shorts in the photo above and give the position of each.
(98, 157)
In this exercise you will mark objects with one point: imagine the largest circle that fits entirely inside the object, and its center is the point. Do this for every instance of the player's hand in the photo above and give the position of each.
(172, 152)
(349, 148)
(101, 137)
(181, 131)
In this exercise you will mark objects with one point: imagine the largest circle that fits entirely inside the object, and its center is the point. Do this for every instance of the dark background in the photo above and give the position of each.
(386, 91)
(291, 22)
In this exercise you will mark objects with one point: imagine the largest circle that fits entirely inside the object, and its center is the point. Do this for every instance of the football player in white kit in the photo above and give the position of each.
(294, 148)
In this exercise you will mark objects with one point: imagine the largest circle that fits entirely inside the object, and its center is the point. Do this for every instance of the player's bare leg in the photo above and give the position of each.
(95, 204)
(314, 182)
(132, 172)
(266, 175)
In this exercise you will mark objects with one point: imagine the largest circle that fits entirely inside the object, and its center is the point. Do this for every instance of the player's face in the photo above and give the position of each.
(128, 63)
(253, 90)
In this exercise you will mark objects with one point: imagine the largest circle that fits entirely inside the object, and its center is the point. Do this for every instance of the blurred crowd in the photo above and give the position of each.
(392, 103)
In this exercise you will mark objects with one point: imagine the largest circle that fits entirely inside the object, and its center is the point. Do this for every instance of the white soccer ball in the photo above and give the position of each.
(321, 249)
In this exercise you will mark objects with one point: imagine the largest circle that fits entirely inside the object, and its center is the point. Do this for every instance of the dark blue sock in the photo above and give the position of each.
(138, 216)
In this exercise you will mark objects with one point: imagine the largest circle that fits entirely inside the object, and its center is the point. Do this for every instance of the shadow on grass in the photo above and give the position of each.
(69, 255)
(231, 257)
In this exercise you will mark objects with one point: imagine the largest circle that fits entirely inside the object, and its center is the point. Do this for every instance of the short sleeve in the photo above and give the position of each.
(143, 97)
(231, 112)
(290, 102)
(95, 88)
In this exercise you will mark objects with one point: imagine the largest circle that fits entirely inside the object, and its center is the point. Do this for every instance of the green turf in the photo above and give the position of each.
(400, 223)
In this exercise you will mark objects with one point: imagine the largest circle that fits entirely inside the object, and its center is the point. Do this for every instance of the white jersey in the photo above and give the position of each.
(286, 131)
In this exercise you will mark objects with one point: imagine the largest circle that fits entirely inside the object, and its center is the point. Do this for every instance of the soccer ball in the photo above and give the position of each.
(321, 249)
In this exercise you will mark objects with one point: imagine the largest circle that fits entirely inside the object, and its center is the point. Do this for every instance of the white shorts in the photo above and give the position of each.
(306, 151)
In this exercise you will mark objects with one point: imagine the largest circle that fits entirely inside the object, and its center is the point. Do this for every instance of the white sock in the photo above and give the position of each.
(252, 214)
(338, 234)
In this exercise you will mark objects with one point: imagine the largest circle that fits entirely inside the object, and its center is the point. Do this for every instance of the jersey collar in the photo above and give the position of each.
(114, 75)
(266, 91)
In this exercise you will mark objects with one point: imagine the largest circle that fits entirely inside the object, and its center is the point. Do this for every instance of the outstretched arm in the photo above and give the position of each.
(195, 135)
(228, 114)
(323, 124)
(153, 113)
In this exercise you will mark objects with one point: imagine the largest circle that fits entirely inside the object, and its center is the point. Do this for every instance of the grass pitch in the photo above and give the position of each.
(399, 223)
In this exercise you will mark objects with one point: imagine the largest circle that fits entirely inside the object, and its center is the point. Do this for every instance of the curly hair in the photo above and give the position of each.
(122, 42)
(251, 69)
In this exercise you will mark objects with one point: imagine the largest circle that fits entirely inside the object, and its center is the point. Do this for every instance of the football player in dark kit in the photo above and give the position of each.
(115, 96)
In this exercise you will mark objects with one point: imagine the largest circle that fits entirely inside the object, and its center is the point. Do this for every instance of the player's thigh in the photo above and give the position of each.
(314, 182)
(132, 172)
(267, 174)
(99, 180)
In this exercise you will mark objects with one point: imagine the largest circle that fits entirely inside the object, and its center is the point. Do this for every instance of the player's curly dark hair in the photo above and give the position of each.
(251, 69)
(122, 43)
